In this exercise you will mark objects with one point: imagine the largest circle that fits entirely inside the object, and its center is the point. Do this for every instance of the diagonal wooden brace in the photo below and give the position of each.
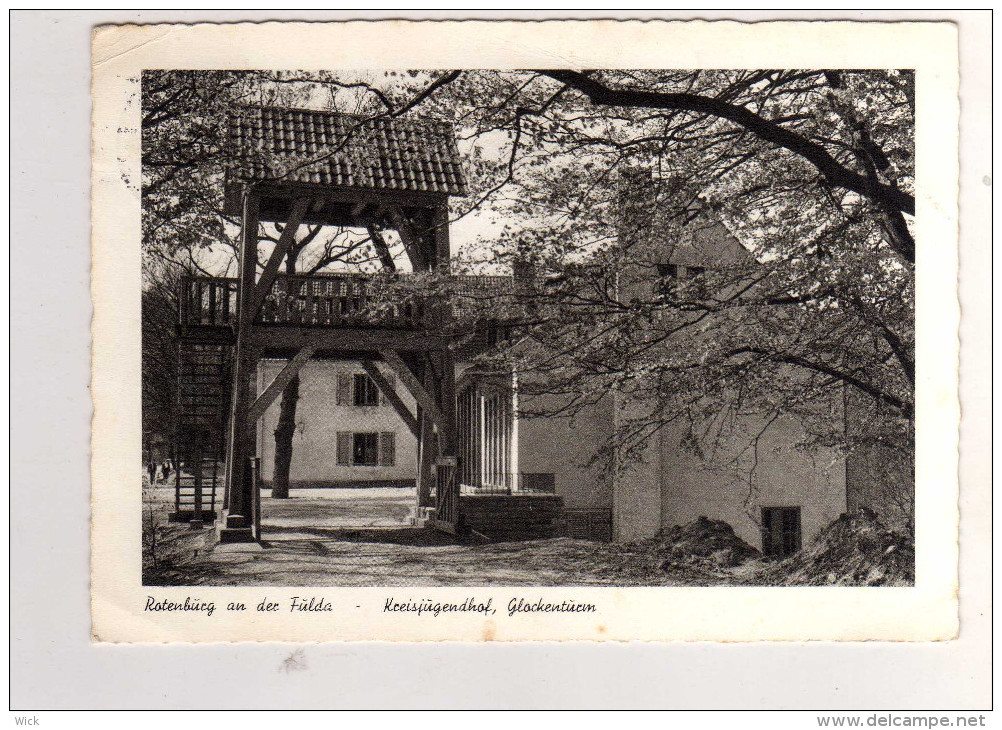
(408, 237)
(391, 395)
(410, 381)
(379, 243)
(285, 242)
(277, 385)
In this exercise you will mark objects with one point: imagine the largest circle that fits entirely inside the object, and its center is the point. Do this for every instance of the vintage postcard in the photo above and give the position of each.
(501, 331)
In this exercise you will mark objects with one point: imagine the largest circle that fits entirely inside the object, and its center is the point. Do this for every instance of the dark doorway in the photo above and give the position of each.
(780, 531)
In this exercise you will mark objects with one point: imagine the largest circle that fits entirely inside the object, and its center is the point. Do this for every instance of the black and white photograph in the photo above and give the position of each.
(528, 327)
(501, 360)
(546, 350)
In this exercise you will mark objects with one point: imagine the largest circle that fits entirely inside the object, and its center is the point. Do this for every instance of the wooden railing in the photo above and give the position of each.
(446, 495)
(207, 300)
(331, 300)
(334, 300)
(344, 300)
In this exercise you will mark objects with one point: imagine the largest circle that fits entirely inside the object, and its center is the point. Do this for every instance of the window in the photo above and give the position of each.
(366, 449)
(780, 531)
(668, 276)
(359, 389)
(671, 276)
(366, 392)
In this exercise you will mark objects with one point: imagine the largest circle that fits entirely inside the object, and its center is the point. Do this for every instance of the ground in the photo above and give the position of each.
(363, 537)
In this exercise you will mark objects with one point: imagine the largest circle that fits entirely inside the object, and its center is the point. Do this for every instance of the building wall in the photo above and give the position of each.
(776, 474)
(673, 485)
(318, 420)
(637, 486)
(881, 478)
(564, 447)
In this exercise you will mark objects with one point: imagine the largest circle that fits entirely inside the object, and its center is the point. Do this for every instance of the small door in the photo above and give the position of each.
(780, 531)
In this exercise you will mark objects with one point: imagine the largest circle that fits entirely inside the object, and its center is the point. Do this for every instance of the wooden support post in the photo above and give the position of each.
(241, 445)
(410, 381)
(277, 385)
(440, 235)
(238, 527)
(196, 473)
(391, 395)
(255, 466)
(185, 295)
(426, 458)
(447, 383)
(177, 473)
(285, 242)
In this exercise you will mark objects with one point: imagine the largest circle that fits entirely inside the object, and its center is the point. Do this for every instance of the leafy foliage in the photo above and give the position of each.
(591, 181)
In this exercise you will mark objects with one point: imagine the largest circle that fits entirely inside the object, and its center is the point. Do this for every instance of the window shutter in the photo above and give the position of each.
(391, 379)
(344, 445)
(387, 448)
(344, 389)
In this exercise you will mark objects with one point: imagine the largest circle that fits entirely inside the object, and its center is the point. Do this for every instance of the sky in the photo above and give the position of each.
(465, 232)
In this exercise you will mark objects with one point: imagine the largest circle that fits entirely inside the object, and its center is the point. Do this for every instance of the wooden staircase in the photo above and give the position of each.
(200, 481)
(203, 408)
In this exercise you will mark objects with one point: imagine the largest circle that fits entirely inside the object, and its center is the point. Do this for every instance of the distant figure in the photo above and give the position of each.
(152, 469)
(165, 470)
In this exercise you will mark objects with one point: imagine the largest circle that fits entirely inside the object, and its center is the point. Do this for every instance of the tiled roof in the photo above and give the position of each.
(331, 149)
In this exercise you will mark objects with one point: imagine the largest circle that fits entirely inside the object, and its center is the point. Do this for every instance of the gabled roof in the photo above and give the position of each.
(345, 150)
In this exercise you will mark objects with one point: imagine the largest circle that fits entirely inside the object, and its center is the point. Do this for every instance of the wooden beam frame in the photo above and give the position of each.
(425, 458)
(412, 242)
(352, 196)
(391, 395)
(382, 249)
(440, 225)
(410, 381)
(445, 371)
(277, 385)
(285, 242)
(274, 339)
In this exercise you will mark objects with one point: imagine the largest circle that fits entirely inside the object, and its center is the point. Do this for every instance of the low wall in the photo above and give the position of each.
(511, 517)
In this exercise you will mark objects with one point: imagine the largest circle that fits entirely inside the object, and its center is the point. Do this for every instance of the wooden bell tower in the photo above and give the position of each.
(301, 167)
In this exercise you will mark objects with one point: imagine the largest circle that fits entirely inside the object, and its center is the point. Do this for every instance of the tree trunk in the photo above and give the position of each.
(283, 440)
(286, 428)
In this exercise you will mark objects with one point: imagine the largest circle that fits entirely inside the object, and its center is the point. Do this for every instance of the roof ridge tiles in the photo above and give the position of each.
(351, 150)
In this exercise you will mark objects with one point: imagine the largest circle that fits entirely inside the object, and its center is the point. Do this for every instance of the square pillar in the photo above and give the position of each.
(239, 481)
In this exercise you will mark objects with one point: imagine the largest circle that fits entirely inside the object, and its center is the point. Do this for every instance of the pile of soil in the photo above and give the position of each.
(702, 543)
(698, 553)
(854, 550)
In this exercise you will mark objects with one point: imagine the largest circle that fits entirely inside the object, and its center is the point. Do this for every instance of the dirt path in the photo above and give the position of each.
(395, 557)
(363, 537)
